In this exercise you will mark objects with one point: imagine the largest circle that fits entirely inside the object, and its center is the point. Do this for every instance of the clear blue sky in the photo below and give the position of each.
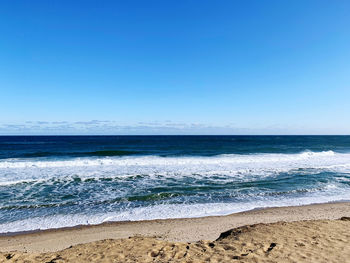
(150, 67)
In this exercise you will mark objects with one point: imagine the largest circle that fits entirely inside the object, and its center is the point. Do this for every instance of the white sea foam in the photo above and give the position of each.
(165, 211)
(229, 167)
(239, 166)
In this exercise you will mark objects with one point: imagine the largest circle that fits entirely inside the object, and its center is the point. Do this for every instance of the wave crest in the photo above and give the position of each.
(233, 165)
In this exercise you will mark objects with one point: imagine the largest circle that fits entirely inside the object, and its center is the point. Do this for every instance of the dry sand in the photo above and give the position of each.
(320, 239)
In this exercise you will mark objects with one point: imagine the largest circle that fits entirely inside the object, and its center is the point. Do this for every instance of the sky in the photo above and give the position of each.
(175, 67)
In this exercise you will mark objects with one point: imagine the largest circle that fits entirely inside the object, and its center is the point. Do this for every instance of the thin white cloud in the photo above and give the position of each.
(145, 128)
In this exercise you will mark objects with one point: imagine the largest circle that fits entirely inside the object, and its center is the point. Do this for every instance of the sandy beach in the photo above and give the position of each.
(311, 233)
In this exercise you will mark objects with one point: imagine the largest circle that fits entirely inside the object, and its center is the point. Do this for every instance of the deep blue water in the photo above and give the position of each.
(56, 181)
(84, 146)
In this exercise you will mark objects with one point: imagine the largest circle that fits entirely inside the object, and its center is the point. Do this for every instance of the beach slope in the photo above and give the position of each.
(314, 233)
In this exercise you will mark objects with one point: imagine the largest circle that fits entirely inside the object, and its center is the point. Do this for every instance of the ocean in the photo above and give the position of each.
(60, 181)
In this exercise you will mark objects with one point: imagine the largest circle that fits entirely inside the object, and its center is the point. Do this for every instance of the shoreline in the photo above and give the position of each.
(173, 230)
(106, 223)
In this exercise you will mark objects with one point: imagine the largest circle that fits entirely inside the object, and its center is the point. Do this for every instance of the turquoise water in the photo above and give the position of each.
(50, 182)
